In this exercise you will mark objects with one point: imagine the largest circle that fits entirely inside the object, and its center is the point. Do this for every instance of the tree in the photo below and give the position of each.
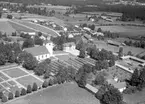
(4, 98)
(142, 78)
(50, 82)
(10, 96)
(111, 62)
(134, 81)
(92, 27)
(17, 93)
(120, 54)
(35, 87)
(2, 59)
(47, 61)
(29, 62)
(99, 80)
(82, 53)
(41, 68)
(1, 94)
(107, 94)
(39, 34)
(45, 84)
(9, 16)
(29, 89)
(28, 43)
(112, 96)
(82, 81)
(23, 92)
(130, 53)
(99, 30)
(38, 41)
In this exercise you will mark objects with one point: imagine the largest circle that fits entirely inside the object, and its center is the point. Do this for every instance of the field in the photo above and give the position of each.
(15, 78)
(38, 27)
(134, 50)
(20, 28)
(124, 30)
(136, 98)
(63, 94)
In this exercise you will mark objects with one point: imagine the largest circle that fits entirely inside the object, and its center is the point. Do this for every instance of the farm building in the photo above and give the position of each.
(91, 88)
(130, 63)
(41, 52)
(121, 86)
(114, 43)
(69, 46)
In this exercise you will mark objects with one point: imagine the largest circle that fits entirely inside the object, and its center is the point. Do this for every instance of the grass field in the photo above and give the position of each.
(28, 80)
(124, 30)
(137, 98)
(62, 94)
(38, 27)
(20, 28)
(14, 73)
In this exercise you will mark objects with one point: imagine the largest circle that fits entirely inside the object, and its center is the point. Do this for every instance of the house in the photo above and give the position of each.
(41, 52)
(114, 43)
(121, 86)
(69, 46)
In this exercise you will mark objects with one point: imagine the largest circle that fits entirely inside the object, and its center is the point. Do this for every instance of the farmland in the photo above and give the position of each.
(63, 94)
(38, 27)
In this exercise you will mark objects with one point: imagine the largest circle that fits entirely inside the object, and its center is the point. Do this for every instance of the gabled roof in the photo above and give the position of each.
(36, 51)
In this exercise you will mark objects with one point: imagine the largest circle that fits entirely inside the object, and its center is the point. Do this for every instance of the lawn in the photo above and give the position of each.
(137, 98)
(14, 73)
(28, 80)
(62, 94)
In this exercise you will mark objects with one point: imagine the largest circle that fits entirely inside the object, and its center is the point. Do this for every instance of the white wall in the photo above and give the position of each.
(42, 57)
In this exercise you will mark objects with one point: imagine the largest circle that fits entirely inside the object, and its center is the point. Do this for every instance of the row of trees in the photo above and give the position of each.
(18, 94)
(30, 42)
(140, 43)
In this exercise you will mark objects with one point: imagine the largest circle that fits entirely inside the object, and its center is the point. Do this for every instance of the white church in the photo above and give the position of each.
(41, 52)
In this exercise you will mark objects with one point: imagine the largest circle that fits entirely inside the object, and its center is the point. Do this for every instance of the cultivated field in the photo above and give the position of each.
(63, 94)
(15, 78)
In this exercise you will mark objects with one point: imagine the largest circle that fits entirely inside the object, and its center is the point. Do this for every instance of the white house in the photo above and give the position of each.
(41, 52)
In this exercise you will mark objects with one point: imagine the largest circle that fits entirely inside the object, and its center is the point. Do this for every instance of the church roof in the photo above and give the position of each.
(36, 51)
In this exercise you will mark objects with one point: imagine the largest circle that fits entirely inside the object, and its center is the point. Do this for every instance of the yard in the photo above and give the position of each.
(62, 94)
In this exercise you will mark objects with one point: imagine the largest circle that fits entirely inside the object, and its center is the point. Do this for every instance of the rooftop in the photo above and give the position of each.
(117, 85)
(36, 51)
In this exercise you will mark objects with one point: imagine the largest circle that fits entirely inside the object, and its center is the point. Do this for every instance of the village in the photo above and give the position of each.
(42, 49)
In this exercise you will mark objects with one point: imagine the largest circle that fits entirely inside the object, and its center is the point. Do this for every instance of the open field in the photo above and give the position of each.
(124, 30)
(134, 50)
(37, 27)
(136, 98)
(20, 28)
(62, 94)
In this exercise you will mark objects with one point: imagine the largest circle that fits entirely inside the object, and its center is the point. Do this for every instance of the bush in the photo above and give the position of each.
(29, 89)
(17, 94)
(23, 92)
(1, 94)
(4, 98)
(45, 84)
(10, 96)
(35, 87)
